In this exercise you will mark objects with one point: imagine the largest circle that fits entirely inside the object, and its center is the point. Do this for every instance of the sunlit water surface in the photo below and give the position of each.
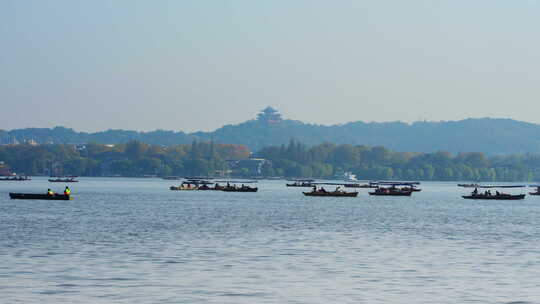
(134, 241)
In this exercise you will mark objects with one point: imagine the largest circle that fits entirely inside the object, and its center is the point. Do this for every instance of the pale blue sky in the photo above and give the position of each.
(197, 65)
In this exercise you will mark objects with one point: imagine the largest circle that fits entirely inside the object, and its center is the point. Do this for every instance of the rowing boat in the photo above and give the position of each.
(40, 196)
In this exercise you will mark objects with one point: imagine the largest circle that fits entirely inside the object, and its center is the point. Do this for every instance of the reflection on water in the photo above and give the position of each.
(134, 241)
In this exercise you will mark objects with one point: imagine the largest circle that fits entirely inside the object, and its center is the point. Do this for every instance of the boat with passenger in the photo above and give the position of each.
(185, 186)
(216, 187)
(41, 196)
(392, 188)
(232, 186)
(496, 195)
(391, 191)
(336, 193)
(194, 183)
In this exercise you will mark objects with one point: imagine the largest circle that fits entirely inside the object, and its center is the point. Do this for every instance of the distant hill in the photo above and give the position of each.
(489, 135)
(62, 135)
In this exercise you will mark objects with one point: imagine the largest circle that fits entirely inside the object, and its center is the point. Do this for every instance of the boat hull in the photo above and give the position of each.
(332, 194)
(495, 197)
(39, 196)
(391, 193)
(231, 189)
(534, 193)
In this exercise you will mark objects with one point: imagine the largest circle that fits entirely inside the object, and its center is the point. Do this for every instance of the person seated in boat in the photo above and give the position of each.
(337, 189)
(50, 192)
(475, 191)
(67, 191)
(323, 190)
(497, 193)
(314, 188)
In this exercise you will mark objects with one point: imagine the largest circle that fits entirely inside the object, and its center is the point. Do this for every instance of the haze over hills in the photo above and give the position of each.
(489, 135)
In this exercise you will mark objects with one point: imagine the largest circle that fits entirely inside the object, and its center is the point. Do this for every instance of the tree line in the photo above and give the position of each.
(294, 160)
(378, 163)
(133, 158)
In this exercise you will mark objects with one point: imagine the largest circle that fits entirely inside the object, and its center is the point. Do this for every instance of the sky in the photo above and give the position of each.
(198, 65)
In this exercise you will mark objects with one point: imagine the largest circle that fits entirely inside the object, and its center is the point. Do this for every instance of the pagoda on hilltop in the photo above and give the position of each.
(269, 116)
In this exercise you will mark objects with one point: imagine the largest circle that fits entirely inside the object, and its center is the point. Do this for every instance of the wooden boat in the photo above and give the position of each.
(40, 196)
(240, 189)
(216, 187)
(495, 197)
(332, 194)
(487, 195)
(184, 186)
(392, 186)
(390, 192)
(15, 178)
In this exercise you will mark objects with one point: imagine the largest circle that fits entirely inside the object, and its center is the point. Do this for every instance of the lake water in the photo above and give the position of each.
(135, 241)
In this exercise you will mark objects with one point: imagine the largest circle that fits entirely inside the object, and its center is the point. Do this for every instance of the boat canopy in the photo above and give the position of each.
(236, 181)
(396, 183)
(301, 180)
(197, 181)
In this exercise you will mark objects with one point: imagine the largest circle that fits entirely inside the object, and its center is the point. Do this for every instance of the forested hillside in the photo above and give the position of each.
(490, 136)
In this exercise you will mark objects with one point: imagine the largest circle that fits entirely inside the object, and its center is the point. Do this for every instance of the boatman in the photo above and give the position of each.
(67, 191)
(50, 192)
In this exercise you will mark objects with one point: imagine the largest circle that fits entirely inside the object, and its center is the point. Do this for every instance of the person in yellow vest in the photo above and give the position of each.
(50, 192)
(67, 191)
